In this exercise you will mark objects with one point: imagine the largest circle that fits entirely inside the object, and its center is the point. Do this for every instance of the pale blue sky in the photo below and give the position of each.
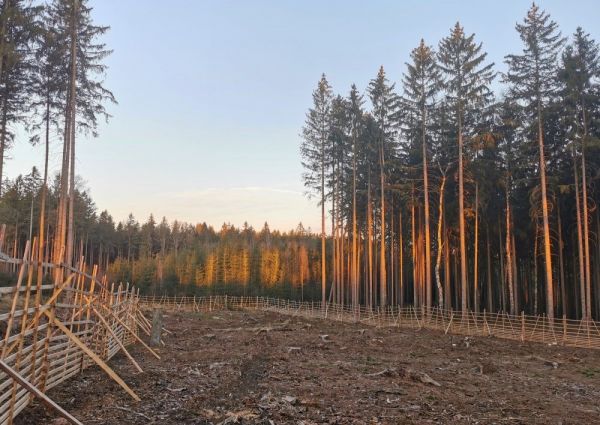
(212, 94)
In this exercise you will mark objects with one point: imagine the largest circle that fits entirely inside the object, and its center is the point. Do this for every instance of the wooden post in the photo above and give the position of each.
(157, 325)
(522, 326)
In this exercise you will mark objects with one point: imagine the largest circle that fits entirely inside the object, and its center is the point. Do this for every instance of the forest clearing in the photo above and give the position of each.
(252, 367)
(413, 237)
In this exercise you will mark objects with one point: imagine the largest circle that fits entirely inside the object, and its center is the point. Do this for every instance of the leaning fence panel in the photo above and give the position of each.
(50, 332)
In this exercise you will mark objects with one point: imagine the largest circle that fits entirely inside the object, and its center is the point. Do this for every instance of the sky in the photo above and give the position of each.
(213, 95)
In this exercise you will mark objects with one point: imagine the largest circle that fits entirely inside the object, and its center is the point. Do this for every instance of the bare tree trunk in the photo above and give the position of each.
(42, 236)
(447, 290)
(414, 251)
(323, 241)
(61, 219)
(561, 260)
(370, 242)
(440, 243)
(354, 272)
(515, 271)
(490, 300)
(73, 88)
(586, 217)
(476, 253)
(428, 287)
(582, 286)
(546, 222)
(391, 259)
(3, 137)
(461, 218)
(509, 268)
(535, 271)
(502, 277)
(382, 265)
(401, 258)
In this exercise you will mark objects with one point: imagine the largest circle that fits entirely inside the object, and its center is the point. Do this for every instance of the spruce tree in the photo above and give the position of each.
(385, 104)
(314, 150)
(74, 31)
(19, 27)
(355, 117)
(467, 87)
(421, 84)
(580, 89)
(533, 83)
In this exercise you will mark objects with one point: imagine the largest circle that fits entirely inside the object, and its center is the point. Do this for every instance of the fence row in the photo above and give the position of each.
(52, 332)
(563, 331)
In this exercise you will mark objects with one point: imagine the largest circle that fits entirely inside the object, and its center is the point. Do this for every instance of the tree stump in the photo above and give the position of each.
(157, 325)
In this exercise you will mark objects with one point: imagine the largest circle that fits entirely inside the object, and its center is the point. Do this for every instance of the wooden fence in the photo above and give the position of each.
(563, 331)
(52, 332)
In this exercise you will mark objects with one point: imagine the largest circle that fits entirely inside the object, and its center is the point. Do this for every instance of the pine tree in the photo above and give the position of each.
(355, 116)
(72, 28)
(314, 149)
(579, 75)
(421, 85)
(385, 104)
(19, 28)
(533, 83)
(466, 82)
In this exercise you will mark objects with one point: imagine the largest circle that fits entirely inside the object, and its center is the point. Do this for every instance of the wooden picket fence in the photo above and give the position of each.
(52, 332)
(524, 328)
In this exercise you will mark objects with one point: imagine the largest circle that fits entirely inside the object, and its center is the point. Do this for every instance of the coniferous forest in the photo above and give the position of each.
(462, 187)
(446, 183)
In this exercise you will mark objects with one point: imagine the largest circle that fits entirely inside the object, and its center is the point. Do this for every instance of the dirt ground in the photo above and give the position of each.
(231, 367)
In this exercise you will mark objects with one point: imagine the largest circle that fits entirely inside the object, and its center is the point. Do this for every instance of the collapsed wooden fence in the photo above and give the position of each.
(524, 328)
(52, 332)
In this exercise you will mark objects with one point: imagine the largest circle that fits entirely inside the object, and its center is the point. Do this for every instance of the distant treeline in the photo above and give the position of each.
(168, 258)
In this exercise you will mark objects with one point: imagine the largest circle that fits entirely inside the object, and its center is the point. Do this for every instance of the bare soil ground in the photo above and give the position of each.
(230, 367)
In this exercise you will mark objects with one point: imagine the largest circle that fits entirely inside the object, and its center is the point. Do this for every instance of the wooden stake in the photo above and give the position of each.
(93, 355)
(116, 338)
(33, 390)
(132, 333)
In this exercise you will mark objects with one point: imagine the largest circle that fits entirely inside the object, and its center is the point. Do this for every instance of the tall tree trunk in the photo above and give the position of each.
(582, 286)
(561, 261)
(354, 272)
(3, 136)
(447, 289)
(401, 259)
(370, 242)
(461, 218)
(502, 275)
(586, 217)
(6, 14)
(73, 88)
(440, 243)
(323, 241)
(382, 265)
(61, 219)
(546, 220)
(428, 287)
(490, 299)
(392, 256)
(414, 250)
(509, 258)
(535, 271)
(514, 266)
(476, 253)
(42, 236)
